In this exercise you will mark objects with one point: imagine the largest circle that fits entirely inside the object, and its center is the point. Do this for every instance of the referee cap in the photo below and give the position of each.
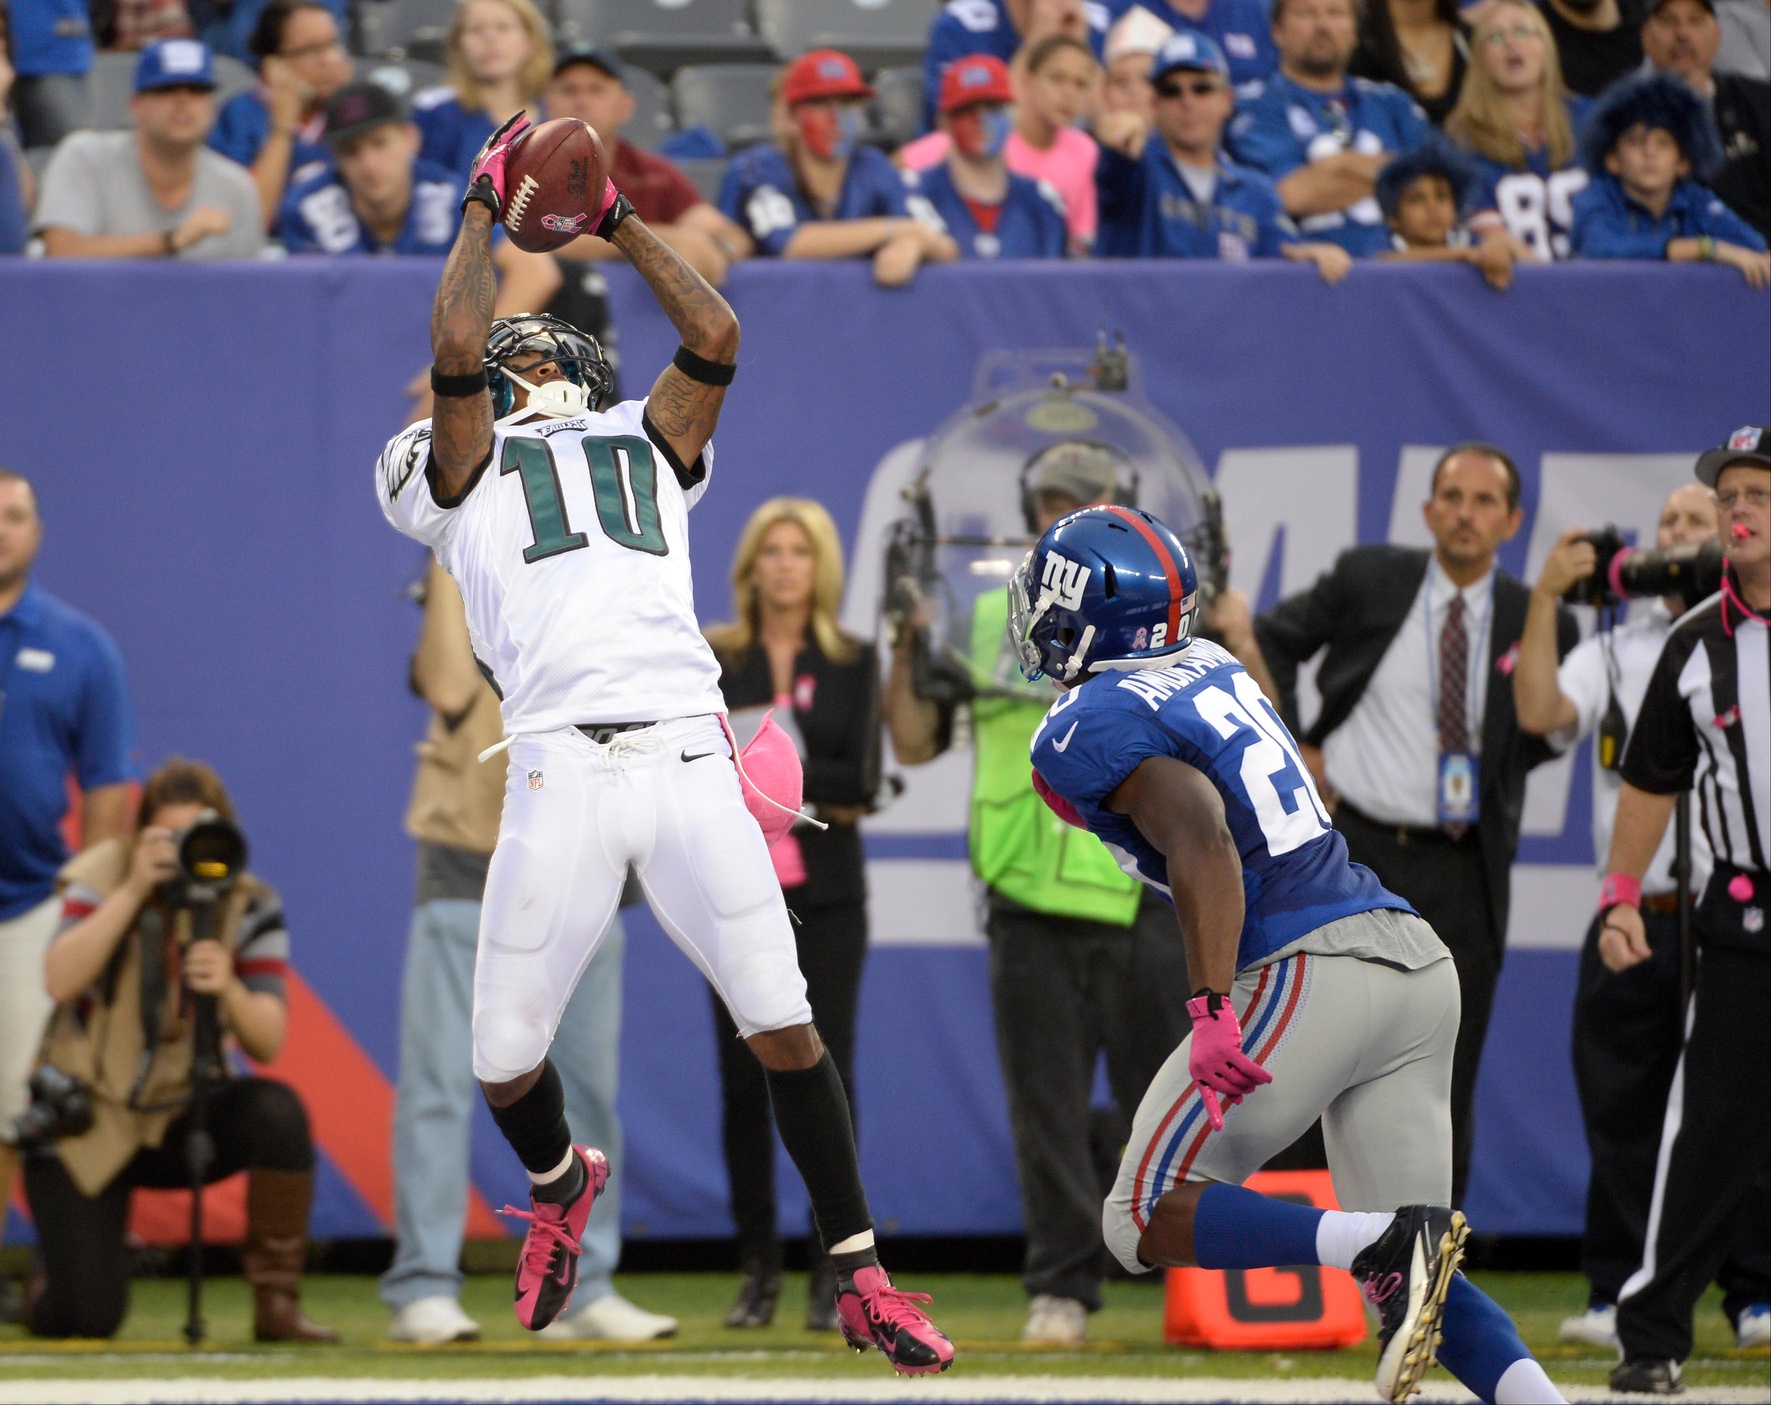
(1749, 444)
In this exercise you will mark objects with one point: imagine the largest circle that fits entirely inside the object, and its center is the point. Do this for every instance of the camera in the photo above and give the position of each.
(211, 857)
(1623, 572)
(60, 1107)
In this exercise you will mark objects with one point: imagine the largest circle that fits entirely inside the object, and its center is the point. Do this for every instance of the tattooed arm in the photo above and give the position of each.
(461, 429)
(683, 410)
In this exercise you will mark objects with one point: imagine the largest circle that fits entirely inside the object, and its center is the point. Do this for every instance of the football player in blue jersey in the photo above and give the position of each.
(1172, 193)
(991, 212)
(1003, 28)
(1319, 993)
(1319, 135)
(817, 193)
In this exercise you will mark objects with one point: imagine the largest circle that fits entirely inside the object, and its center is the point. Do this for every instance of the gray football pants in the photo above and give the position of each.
(1365, 1046)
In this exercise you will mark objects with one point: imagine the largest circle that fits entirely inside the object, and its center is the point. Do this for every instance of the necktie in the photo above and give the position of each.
(1454, 679)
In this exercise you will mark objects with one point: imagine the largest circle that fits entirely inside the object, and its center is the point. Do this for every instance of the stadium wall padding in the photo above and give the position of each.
(203, 437)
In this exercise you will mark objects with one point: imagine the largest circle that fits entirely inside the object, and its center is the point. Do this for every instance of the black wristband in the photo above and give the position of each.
(699, 368)
(617, 212)
(468, 383)
(1214, 1000)
(481, 191)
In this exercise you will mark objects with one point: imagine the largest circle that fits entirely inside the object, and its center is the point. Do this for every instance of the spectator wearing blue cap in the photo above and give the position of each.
(1240, 28)
(275, 129)
(1319, 135)
(1172, 193)
(50, 48)
(1424, 196)
(1646, 144)
(158, 191)
(1004, 29)
(989, 210)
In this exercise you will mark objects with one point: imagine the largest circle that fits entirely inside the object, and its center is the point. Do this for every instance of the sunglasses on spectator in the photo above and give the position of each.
(1199, 88)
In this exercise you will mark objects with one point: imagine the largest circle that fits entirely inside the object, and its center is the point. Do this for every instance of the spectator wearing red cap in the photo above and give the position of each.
(990, 211)
(816, 193)
(1058, 82)
(1006, 29)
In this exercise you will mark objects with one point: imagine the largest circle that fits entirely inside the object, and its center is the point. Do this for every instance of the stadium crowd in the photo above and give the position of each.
(1317, 130)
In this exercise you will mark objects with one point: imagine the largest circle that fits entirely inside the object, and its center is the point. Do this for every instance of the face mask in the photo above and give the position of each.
(981, 132)
(829, 133)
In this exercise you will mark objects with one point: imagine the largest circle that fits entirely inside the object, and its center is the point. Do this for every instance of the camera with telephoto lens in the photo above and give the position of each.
(61, 1106)
(1622, 572)
(211, 857)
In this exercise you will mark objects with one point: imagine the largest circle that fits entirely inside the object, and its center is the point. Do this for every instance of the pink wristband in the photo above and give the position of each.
(1620, 888)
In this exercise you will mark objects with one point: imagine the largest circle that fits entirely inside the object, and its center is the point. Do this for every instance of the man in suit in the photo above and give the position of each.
(1417, 747)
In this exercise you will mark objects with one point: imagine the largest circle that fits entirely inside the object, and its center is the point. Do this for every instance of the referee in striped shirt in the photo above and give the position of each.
(1705, 724)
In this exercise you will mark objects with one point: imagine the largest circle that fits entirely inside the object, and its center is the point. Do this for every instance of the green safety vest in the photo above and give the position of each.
(1018, 846)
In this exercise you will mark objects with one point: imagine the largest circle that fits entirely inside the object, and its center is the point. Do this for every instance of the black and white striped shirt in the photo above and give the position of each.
(1705, 724)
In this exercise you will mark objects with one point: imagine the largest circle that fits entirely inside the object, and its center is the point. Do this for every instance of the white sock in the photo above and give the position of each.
(548, 1177)
(1341, 1235)
(854, 1243)
(1524, 1383)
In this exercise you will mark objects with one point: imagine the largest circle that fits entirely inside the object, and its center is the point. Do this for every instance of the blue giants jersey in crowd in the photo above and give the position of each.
(762, 194)
(1029, 221)
(1206, 711)
(1280, 126)
(1149, 211)
(318, 218)
(452, 135)
(1536, 205)
(967, 27)
(1609, 224)
(1241, 28)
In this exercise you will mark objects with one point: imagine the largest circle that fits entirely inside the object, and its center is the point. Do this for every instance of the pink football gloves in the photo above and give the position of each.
(1216, 1060)
(485, 179)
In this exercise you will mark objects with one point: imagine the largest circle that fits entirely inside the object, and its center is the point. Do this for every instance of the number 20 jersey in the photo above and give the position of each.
(571, 548)
(1208, 712)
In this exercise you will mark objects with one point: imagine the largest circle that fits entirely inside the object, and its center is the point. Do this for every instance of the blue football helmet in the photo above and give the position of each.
(1105, 588)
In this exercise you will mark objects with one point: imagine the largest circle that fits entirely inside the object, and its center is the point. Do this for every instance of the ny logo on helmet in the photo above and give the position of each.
(1065, 580)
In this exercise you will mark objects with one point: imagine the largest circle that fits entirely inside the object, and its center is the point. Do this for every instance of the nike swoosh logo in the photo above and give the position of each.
(697, 756)
(1060, 746)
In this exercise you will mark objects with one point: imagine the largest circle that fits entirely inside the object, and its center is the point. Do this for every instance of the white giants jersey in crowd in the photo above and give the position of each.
(571, 548)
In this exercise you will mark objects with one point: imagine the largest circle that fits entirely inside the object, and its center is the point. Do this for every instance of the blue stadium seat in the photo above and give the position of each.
(731, 98)
(400, 29)
(707, 174)
(875, 33)
(652, 120)
(662, 36)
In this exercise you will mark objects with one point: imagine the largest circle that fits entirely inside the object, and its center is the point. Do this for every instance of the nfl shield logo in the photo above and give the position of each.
(534, 780)
(1744, 438)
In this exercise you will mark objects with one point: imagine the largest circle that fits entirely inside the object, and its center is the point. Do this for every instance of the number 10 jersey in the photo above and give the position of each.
(571, 548)
(1207, 711)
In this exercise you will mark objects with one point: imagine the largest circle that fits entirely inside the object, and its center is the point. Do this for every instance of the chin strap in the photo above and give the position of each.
(562, 399)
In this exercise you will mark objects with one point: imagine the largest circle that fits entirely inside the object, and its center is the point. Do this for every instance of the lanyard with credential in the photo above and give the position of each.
(1478, 652)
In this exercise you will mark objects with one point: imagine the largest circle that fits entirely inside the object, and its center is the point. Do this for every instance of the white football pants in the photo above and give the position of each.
(665, 800)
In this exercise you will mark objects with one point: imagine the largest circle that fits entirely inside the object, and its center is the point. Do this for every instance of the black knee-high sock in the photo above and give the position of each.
(812, 1115)
(535, 1125)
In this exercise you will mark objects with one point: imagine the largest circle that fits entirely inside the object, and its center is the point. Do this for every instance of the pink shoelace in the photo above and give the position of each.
(544, 1236)
(896, 1308)
(1377, 1291)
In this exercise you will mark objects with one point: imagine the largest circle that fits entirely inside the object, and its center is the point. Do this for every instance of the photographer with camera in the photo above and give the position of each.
(1628, 1022)
(167, 948)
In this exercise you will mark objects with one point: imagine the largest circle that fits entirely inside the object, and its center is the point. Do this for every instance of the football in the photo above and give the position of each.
(554, 181)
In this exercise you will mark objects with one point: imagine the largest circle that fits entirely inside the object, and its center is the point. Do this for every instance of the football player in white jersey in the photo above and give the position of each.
(566, 527)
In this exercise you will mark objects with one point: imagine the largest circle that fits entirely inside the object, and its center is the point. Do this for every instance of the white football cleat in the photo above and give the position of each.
(433, 1321)
(1597, 1326)
(611, 1318)
(1053, 1321)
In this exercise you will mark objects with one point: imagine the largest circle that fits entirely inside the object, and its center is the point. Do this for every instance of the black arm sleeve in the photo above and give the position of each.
(1295, 629)
(1662, 753)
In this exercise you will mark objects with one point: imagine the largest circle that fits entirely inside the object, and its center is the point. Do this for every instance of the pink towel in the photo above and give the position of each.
(769, 771)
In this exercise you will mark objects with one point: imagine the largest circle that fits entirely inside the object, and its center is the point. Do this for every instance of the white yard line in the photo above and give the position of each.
(632, 1390)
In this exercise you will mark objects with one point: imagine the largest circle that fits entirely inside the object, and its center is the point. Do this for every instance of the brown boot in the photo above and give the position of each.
(276, 1247)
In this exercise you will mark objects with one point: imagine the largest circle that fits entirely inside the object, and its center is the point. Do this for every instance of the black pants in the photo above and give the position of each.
(256, 1123)
(832, 950)
(1444, 879)
(1719, 1119)
(1065, 991)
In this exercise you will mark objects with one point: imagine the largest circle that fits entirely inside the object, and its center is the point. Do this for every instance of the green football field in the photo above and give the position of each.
(982, 1313)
